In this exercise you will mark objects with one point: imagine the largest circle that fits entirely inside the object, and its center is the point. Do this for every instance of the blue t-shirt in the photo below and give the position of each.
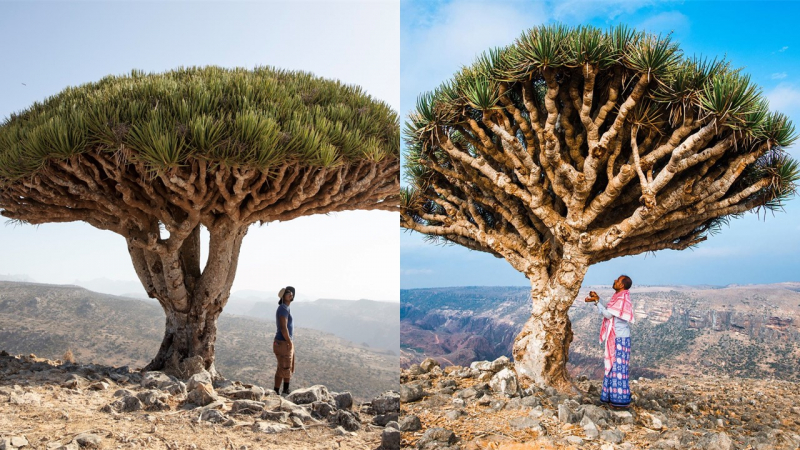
(283, 311)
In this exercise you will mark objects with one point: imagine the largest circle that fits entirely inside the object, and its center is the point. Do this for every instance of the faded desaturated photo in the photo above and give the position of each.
(199, 246)
(599, 225)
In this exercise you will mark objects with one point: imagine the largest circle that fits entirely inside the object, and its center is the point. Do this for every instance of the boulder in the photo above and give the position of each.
(623, 417)
(202, 395)
(269, 427)
(650, 421)
(345, 419)
(499, 364)
(317, 393)
(428, 365)
(435, 438)
(88, 440)
(252, 393)
(505, 382)
(154, 400)
(344, 400)
(386, 403)
(249, 407)
(384, 419)
(410, 423)
(390, 439)
(98, 386)
(595, 413)
(715, 441)
(322, 409)
(202, 377)
(411, 392)
(14, 442)
(213, 416)
(567, 414)
(275, 416)
(155, 380)
(614, 436)
(129, 403)
(481, 365)
(524, 423)
(589, 428)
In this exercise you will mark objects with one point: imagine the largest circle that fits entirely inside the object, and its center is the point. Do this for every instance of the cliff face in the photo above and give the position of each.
(736, 330)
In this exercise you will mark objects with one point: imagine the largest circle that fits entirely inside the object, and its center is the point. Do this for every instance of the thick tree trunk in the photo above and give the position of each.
(192, 299)
(541, 349)
(188, 343)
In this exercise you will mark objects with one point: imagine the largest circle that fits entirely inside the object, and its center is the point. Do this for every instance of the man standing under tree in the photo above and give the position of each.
(615, 331)
(283, 346)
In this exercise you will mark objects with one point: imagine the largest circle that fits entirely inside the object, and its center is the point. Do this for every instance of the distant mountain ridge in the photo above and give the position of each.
(48, 319)
(737, 330)
(367, 322)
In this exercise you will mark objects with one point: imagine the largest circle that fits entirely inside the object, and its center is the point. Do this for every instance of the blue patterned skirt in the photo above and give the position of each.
(615, 384)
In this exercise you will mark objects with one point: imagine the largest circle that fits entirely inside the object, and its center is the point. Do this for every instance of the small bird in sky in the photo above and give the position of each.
(24, 84)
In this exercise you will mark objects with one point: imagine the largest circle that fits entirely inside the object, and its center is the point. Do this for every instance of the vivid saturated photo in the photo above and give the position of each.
(599, 225)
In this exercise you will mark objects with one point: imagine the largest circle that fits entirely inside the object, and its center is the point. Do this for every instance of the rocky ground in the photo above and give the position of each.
(482, 407)
(49, 405)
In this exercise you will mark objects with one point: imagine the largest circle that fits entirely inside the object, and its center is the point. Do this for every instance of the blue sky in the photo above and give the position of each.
(439, 37)
(52, 45)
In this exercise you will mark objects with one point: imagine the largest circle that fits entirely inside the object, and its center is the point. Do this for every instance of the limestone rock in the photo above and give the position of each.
(322, 409)
(499, 364)
(410, 423)
(269, 427)
(247, 407)
(613, 436)
(213, 416)
(317, 393)
(386, 403)
(344, 400)
(155, 379)
(428, 364)
(390, 439)
(345, 419)
(436, 438)
(202, 377)
(256, 393)
(88, 440)
(715, 441)
(202, 395)
(589, 428)
(275, 416)
(411, 392)
(505, 382)
(567, 415)
(383, 419)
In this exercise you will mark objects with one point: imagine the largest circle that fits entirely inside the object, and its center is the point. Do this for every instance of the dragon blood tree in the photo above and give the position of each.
(575, 146)
(199, 147)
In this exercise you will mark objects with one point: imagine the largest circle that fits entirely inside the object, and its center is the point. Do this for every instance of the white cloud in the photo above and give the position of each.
(778, 75)
(785, 98)
(783, 49)
(665, 22)
(438, 42)
(583, 10)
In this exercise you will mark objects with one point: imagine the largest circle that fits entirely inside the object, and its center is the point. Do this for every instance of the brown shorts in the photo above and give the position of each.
(285, 357)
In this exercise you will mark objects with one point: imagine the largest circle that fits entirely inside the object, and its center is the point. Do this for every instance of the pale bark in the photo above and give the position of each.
(556, 183)
(541, 349)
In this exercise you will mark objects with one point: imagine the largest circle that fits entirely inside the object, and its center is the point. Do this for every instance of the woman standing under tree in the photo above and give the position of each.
(283, 346)
(616, 332)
